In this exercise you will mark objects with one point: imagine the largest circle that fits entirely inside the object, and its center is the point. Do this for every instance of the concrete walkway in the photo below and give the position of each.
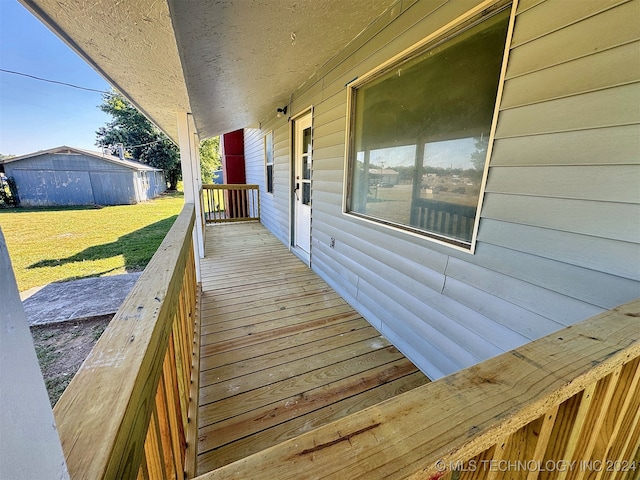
(77, 299)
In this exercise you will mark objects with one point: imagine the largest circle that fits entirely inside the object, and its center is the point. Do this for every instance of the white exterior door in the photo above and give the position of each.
(302, 160)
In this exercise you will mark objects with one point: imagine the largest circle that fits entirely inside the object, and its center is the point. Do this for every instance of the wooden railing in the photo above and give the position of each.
(230, 203)
(449, 219)
(130, 411)
(566, 406)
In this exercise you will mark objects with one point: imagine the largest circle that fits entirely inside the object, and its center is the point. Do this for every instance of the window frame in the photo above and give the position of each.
(439, 37)
(269, 161)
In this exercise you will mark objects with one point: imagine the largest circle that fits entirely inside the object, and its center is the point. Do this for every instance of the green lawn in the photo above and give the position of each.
(57, 244)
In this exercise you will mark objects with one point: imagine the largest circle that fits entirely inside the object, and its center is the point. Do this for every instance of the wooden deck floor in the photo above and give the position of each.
(281, 352)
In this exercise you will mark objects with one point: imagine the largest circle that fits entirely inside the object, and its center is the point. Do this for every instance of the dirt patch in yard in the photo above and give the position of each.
(62, 347)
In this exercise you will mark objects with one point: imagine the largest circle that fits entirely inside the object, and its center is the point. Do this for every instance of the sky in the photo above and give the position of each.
(36, 115)
(445, 154)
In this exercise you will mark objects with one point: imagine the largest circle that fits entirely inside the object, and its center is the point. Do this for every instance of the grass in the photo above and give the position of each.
(57, 244)
(47, 356)
(97, 331)
(57, 385)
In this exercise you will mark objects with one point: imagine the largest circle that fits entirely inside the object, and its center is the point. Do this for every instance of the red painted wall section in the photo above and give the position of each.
(233, 157)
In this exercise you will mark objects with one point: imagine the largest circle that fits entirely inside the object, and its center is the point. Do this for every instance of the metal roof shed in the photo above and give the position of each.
(72, 176)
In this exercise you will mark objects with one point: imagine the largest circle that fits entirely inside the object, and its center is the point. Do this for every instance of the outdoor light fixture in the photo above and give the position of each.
(282, 111)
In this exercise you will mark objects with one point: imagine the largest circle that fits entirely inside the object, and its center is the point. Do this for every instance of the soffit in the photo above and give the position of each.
(242, 59)
(229, 62)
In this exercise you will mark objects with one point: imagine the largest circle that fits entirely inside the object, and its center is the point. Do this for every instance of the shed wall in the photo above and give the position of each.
(39, 188)
(560, 223)
(114, 188)
(157, 184)
(75, 179)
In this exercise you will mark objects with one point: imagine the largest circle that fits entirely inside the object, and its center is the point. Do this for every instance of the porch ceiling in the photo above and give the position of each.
(230, 63)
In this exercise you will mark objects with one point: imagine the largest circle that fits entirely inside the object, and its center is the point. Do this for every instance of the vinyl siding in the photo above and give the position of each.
(274, 207)
(560, 222)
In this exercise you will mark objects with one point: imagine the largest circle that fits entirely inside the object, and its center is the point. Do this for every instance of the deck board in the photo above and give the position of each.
(281, 352)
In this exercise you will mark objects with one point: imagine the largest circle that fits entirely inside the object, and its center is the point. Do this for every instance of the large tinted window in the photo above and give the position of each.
(420, 133)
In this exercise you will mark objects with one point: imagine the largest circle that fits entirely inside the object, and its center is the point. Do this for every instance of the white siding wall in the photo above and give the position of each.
(274, 208)
(560, 224)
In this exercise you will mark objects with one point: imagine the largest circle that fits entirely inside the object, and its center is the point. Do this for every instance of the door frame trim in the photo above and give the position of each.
(292, 170)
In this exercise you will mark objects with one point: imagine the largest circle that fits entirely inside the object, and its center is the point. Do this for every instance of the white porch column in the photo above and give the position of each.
(29, 442)
(190, 162)
(197, 176)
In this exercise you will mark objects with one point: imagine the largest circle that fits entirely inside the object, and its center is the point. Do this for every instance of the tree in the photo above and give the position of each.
(8, 190)
(479, 157)
(210, 160)
(142, 140)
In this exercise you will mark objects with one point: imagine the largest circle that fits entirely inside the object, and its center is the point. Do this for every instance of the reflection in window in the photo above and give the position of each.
(420, 134)
(268, 158)
(306, 166)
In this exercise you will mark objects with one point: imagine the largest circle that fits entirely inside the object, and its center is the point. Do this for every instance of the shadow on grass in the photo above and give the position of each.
(136, 247)
(92, 275)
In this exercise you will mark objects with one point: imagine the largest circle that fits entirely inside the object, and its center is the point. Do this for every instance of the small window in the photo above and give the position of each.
(268, 158)
(420, 132)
